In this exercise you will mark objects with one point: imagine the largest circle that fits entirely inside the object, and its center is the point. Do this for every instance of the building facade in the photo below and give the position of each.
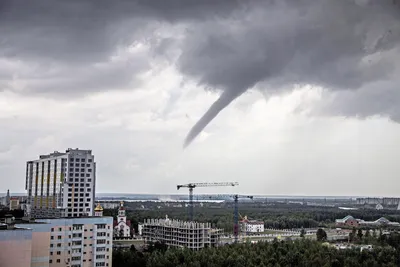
(176, 233)
(14, 203)
(61, 184)
(251, 226)
(72, 242)
(122, 226)
(15, 246)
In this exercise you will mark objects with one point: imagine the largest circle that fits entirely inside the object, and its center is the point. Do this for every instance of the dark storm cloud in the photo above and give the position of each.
(230, 46)
(71, 37)
(334, 44)
(80, 30)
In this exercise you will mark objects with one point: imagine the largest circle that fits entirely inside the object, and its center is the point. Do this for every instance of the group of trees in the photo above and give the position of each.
(302, 252)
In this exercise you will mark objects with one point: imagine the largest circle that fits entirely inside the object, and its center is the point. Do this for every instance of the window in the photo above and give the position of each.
(59, 229)
(88, 175)
(88, 199)
(51, 253)
(51, 245)
(58, 260)
(58, 252)
(59, 245)
(50, 261)
(89, 170)
(76, 170)
(76, 164)
(71, 159)
(89, 160)
(83, 165)
(52, 229)
(51, 237)
(87, 165)
(82, 175)
(59, 237)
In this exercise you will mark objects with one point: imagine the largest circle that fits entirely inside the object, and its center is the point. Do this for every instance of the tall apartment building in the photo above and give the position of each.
(61, 184)
(175, 233)
(69, 242)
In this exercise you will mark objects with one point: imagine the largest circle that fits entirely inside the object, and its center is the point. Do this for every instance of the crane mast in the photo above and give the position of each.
(236, 215)
(191, 186)
(235, 211)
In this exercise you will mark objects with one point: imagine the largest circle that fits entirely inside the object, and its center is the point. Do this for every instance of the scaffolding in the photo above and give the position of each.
(176, 233)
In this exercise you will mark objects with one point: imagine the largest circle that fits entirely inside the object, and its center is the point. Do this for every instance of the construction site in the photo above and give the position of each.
(175, 233)
(190, 234)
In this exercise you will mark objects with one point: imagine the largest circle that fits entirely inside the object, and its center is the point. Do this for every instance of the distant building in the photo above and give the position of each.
(347, 221)
(61, 184)
(98, 211)
(14, 203)
(122, 226)
(174, 233)
(83, 242)
(15, 246)
(251, 226)
(109, 205)
(352, 222)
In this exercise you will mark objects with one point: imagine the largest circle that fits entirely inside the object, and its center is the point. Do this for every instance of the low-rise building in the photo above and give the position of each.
(14, 203)
(352, 222)
(175, 233)
(347, 221)
(251, 226)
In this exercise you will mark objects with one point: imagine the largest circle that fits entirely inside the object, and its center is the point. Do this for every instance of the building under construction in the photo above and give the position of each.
(175, 233)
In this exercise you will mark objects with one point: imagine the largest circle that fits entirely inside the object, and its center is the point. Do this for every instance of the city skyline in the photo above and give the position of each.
(131, 80)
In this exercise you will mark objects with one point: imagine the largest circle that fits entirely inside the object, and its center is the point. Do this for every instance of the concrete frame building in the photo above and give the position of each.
(72, 242)
(61, 184)
(175, 233)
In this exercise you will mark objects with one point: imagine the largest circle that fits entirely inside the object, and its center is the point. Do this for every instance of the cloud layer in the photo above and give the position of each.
(128, 78)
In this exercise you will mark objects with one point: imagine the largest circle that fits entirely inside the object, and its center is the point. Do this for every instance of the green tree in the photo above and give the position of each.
(359, 234)
(302, 232)
(321, 235)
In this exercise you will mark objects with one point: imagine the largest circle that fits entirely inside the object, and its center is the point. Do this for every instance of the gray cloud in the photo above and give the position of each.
(228, 45)
(334, 44)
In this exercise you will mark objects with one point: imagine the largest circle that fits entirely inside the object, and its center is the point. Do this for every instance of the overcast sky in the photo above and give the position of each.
(285, 97)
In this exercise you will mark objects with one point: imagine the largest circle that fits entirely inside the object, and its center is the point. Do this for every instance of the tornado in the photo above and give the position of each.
(222, 102)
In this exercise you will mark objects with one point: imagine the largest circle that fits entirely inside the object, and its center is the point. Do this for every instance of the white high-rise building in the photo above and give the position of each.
(61, 184)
